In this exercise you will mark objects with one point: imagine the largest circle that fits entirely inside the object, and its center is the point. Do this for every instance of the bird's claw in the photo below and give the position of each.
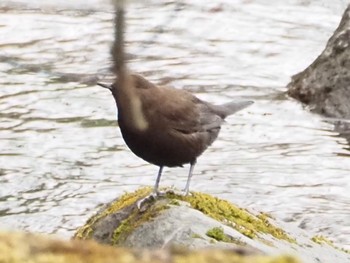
(149, 198)
(185, 192)
(153, 196)
(146, 199)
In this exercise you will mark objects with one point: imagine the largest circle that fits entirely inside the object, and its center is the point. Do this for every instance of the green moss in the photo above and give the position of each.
(218, 234)
(86, 231)
(135, 219)
(265, 216)
(231, 215)
(323, 240)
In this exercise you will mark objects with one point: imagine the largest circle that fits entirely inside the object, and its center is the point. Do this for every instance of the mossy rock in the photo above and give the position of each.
(223, 211)
(201, 220)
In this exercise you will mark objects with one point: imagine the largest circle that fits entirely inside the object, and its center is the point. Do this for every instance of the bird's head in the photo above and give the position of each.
(135, 81)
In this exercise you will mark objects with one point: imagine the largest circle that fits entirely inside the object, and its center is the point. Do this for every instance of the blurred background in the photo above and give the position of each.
(61, 152)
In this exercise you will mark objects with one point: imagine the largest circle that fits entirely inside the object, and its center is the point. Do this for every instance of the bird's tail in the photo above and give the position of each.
(232, 107)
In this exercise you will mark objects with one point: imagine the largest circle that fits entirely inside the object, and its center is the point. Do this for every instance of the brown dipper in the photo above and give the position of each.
(167, 126)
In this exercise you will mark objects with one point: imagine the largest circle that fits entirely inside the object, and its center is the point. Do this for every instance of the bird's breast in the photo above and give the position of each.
(130, 111)
(162, 147)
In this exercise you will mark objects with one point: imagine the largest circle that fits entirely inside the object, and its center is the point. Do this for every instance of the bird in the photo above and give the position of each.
(166, 126)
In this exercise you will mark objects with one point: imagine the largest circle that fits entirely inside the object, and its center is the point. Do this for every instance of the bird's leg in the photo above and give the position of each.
(156, 186)
(187, 188)
(155, 192)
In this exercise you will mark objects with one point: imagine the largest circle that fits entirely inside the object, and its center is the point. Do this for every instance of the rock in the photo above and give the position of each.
(325, 85)
(200, 221)
(30, 248)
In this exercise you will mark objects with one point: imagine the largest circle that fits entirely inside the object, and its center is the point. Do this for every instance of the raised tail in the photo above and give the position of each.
(232, 107)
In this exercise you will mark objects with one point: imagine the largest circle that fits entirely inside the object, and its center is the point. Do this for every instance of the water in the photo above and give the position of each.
(61, 151)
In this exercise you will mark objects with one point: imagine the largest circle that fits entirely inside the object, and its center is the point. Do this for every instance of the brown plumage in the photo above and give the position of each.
(167, 126)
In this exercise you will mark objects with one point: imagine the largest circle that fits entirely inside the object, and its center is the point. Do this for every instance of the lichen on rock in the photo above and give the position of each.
(221, 210)
(126, 200)
(200, 221)
(240, 219)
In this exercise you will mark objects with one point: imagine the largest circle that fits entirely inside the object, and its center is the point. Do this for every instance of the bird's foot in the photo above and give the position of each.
(141, 204)
(185, 192)
(149, 199)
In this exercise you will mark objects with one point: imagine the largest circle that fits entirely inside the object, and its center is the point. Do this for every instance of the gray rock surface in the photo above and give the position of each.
(180, 225)
(187, 227)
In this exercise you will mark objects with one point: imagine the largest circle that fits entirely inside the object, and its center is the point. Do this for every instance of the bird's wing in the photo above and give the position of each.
(180, 110)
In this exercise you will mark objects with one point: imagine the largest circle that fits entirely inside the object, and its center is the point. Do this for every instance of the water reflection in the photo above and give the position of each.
(62, 154)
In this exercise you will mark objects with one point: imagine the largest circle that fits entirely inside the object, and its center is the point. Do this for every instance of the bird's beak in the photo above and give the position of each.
(106, 86)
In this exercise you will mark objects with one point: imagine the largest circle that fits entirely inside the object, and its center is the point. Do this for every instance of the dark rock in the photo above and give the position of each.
(325, 85)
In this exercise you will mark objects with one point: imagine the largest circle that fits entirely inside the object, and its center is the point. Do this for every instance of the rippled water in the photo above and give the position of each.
(61, 151)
